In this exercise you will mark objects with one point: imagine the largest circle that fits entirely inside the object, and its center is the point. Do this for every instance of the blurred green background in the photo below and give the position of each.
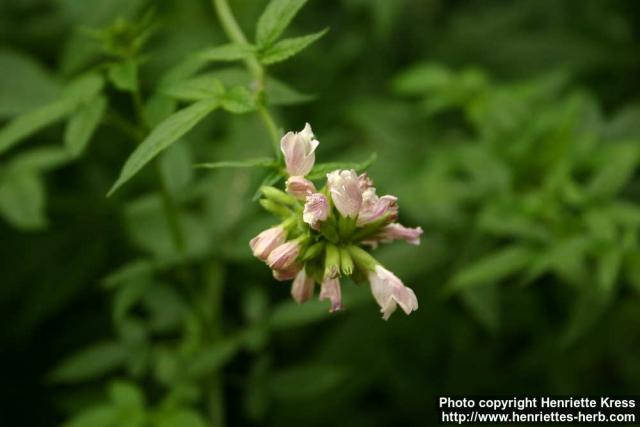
(510, 131)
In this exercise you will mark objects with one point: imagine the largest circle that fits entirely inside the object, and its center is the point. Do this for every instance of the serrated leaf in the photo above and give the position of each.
(239, 100)
(492, 268)
(81, 90)
(167, 132)
(284, 49)
(275, 19)
(228, 52)
(22, 197)
(265, 162)
(320, 170)
(83, 124)
(124, 75)
(90, 363)
(196, 89)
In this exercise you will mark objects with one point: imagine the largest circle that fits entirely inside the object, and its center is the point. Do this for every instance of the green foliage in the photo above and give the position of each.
(497, 124)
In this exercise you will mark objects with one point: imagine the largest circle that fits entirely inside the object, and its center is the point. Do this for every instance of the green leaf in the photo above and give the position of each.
(97, 416)
(275, 19)
(290, 315)
(211, 358)
(90, 363)
(491, 269)
(284, 49)
(617, 166)
(196, 89)
(126, 395)
(307, 381)
(25, 84)
(265, 162)
(78, 92)
(83, 124)
(228, 52)
(422, 78)
(124, 75)
(239, 100)
(22, 197)
(320, 170)
(279, 93)
(179, 417)
(168, 132)
(40, 159)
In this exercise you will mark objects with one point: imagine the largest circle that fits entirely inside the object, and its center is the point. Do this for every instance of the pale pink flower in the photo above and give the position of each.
(299, 151)
(283, 256)
(345, 191)
(389, 292)
(300, 187)
(316, 210)
(302, 287)
(330, 290)
(288, 274)
(268, 240)
(364, 181)
(374, 207)
(397, 231)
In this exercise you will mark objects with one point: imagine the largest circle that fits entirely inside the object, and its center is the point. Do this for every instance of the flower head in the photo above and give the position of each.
(316, 243)
(389, 292)
(345, 191)
(268, 240)
(299, 151)
(316, 210)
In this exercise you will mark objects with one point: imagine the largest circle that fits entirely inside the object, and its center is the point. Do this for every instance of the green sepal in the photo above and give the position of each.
(278, 196)
(328, 230)
(346, 227)
(370, 229)
(331, 261)
(313, 251)
(275, 208)
(346, 262)
(362, 258)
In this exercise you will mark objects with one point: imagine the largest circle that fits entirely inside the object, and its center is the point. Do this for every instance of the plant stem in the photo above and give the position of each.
(168, 203)
(235, 34)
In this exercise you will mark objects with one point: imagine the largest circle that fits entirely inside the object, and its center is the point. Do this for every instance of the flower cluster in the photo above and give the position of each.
(324, 231)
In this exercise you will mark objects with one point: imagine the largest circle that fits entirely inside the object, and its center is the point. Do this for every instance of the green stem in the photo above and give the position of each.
(235, 34)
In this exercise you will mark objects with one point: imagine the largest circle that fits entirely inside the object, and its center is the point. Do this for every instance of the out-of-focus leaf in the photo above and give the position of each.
(22, 198)
(483, 302)
(97, 416)
(157, 108)
(78, 92)
(124, 75)
(167, 132)
(492, 268)
(196, 89)
(228, 52)
(90, 363)
(239, 100)
(83, 124)
(279, 93)
(422, 78)
(275, 19)
(25, 85)
(617, 166)
(126, 394)
(40, 159)
(284, 49)
(176, 167)
(290, 315)
(133, 271)
(306, 381)
(179, 417)
(265, 162)
(211, 358)
(320, 170)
